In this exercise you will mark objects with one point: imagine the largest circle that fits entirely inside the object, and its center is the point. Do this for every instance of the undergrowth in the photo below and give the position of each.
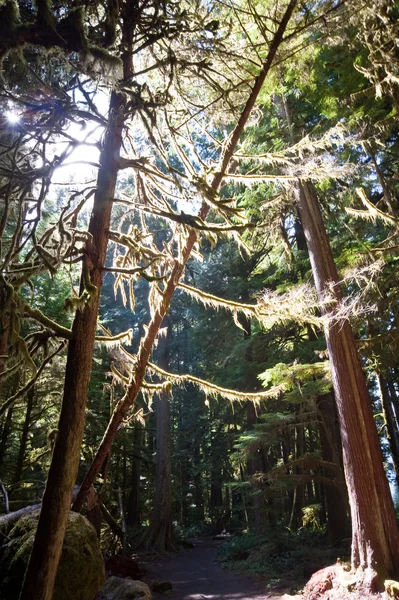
(280, 555)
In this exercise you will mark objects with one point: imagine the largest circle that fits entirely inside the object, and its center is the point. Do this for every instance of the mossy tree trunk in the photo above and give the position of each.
(46, 552)
(148, 341)
(375, 538)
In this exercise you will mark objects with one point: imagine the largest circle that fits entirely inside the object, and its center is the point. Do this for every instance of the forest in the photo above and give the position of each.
(199, 220)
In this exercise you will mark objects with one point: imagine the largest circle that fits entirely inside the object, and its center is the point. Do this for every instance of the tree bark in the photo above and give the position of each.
(24, 437)
(147, 343)
(4, 334)
(254, 466)
(390, 424)
(336, 496)
(133, 504)
(46, 552)
(5, 434)
(394, 397)
(160, 533)
(375, 538)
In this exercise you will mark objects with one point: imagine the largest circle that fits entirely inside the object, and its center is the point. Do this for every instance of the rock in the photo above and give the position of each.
(117, 588)
(320, 582)
(124, 566)
(161, 587)
(81, 570)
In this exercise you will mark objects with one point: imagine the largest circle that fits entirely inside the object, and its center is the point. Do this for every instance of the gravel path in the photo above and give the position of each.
(197, 576)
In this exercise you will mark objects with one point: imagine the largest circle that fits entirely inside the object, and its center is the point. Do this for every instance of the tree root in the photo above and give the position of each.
(336, 583)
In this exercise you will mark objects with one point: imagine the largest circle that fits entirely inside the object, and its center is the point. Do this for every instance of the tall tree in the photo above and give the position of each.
(160, 534)
(136, 27)
(209, 193)
(375, 535)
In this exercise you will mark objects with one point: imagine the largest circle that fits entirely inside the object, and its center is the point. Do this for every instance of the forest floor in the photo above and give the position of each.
(197, 575)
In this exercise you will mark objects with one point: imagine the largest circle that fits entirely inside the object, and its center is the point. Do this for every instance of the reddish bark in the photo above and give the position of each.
(375, 538)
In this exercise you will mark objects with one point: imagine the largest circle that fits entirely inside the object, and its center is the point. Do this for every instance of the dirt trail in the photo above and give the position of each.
(196, 576)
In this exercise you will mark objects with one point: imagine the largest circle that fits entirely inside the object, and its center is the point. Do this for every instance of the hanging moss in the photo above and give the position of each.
(81, 569)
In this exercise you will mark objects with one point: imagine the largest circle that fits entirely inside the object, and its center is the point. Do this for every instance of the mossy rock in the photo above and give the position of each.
(117, 588)
(81, 570)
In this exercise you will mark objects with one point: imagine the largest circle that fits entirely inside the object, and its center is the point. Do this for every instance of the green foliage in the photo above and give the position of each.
(280, 556)
(240, 547)
(232, 466)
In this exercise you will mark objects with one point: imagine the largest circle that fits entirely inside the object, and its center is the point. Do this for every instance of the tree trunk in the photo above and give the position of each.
(46, 552)
(394, 397)
(375, 538)
(24, 437)
(5, 434)
(133, 505)
(298, 501)
(160, 534)
(390, 424)
(199, 492)
(4, 333)
(147, 343)
(254, 466)
(336, 496)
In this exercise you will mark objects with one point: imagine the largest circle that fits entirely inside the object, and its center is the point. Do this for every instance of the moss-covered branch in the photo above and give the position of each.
(213, 390)
(37, 315)
(5, 406)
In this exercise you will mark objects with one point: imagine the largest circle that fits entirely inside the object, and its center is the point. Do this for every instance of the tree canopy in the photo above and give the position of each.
(198, 280)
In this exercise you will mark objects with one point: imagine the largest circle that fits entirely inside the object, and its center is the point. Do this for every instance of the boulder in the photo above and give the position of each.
(320, 582)
(117, 588)
(81, 570)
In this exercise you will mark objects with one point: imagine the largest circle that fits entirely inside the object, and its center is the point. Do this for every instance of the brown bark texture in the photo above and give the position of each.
(46, 552)
(133, 504)
(375, 538)
(160, 533)
(24, 437)
(147, 343)
(5, 433)
(337, 502)
(57, 498)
